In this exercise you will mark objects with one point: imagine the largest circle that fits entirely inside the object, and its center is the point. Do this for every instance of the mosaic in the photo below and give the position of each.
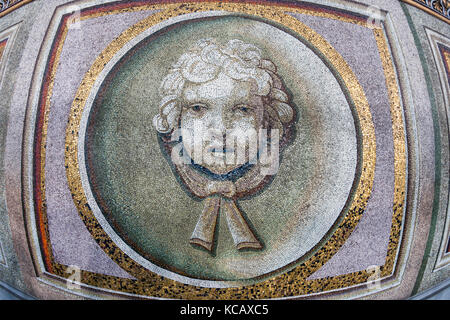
(278, 181)
(5, 37)
(445, 53)
(2, 255)
(2, 48)
(440, 46)
(219, 186)
(439, 8)
(6, 6)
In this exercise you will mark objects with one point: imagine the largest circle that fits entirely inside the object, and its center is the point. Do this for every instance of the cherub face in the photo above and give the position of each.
(220, 120)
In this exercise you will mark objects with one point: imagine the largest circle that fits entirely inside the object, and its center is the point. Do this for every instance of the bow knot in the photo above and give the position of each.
(221, 196)
(227, 189)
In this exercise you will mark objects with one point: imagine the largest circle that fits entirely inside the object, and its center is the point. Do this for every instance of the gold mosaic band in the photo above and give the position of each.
(400, 161)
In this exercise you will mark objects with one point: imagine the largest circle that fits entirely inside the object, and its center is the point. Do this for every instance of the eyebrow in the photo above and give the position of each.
(193, 95)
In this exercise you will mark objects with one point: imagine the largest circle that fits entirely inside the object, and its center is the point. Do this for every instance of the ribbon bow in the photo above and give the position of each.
(220, 195)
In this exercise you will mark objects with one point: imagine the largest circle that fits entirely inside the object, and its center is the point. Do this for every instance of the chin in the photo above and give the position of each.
(220, 167)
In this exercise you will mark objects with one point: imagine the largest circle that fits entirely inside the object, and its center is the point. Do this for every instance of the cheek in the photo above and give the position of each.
(187, 125)
(192, 131)
(190, 122)
(249, 122)
(244, 130)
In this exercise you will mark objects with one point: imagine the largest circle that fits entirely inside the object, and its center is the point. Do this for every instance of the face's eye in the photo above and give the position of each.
(243, 109)
(197, 108)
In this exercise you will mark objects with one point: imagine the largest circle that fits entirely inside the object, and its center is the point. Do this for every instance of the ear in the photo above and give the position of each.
(285, 111)
(161, 124)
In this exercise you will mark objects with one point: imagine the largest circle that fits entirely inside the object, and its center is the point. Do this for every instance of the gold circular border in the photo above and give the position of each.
(291, 283)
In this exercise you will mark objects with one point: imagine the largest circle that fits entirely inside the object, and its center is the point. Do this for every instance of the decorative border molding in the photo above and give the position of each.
(432, 292)
(6, 40)
(6, 6)
(440, 45)
(16, 294)
(2, 47)
(2, 256)
(438, 8)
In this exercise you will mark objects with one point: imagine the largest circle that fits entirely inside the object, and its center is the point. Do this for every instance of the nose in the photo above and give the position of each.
(216, 130)
(217, 124)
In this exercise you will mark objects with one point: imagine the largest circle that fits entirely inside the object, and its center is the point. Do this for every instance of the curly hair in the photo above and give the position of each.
(238, 60)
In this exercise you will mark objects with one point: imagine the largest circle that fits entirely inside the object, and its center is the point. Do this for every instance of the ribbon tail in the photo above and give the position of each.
(203, 234)
(243, 237)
